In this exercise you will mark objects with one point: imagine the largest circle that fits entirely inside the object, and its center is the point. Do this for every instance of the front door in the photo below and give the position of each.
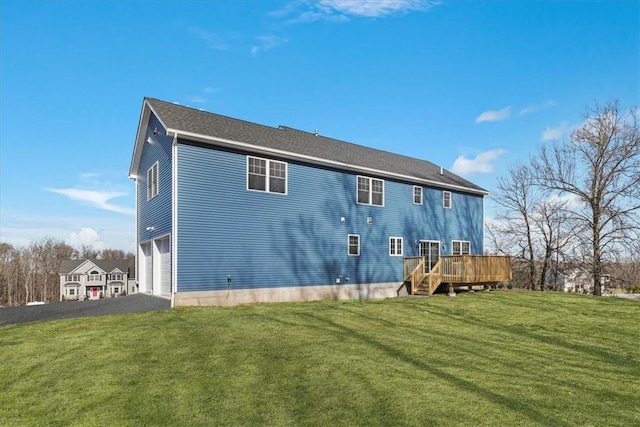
(94, 292)
(430, 249)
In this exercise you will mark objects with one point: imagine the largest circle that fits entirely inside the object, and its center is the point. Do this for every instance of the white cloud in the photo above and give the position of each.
(375, 8)
(341, 10)
(494, 115)
(198, 100)
(86, 236)
(213, 40)
(536, 107)
(266, 43)
(556, 133)
(211, 89)
(482, 163)
(98, 199)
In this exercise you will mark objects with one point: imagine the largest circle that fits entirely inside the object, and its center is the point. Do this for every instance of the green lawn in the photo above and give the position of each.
(484, 358)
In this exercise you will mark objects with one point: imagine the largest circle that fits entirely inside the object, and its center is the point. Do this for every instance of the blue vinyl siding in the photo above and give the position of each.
(157, 211)
(269, 240)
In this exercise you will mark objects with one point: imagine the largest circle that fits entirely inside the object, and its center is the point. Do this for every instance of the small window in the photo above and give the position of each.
(417, 195)
(446, 199)
(370, 191)
(266, 175)
(395, 246)
(460, 247)
(354, 245)
(72, 291)
(152, 181)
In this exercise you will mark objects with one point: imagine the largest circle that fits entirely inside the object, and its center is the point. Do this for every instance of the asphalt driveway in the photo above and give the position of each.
(136, 303)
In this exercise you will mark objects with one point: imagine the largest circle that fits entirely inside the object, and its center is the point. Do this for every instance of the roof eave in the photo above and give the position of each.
(177, 133)
(146, 112)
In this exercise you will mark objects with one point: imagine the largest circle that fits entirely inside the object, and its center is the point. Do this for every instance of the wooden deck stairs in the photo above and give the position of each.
(456, 271)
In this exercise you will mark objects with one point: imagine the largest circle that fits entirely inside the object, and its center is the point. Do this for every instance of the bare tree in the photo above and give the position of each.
(115, 254)
(88, 252)
(516, 197)
(600, 166)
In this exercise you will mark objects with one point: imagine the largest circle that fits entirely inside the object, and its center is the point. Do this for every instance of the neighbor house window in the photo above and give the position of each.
(73, 278)
(152, 181)
(72, 291)
(395, 246)
(446, 199)
(117, 276)
(266, 175)
(354, 245)
(94, 276)
(460, 247)
(417, 195)
(370, 191)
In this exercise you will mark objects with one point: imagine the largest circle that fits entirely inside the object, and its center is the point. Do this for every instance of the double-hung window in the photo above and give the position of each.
(460, 247)
(417, 195)
(266, 175)
(446, 199)
(370, 191)
(353, 244)
(152, 181)
(395, 246)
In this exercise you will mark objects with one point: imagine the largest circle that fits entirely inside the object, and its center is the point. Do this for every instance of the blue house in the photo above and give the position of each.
(231, 212)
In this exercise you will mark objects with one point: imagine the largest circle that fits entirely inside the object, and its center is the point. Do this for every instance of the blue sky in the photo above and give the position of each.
(473, 86)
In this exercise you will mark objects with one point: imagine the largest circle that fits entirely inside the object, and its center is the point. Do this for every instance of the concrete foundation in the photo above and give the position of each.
(287, 294)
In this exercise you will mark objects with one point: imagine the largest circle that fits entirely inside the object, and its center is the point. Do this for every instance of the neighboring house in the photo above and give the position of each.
(231, 212)
(580, 280)
(94, 279)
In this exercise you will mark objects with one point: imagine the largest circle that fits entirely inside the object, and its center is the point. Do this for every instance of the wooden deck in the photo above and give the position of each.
(456, 270)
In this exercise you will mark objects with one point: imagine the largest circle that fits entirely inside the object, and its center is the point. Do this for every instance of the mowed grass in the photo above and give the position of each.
(486, 358)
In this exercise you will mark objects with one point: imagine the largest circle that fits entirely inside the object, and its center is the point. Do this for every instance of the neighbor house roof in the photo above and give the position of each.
(108, 265)
(197, 125)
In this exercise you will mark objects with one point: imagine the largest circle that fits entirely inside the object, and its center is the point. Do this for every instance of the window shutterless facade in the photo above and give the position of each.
(395, 246)
(266, 175)
(152, 181)
(370, 191)
(446, 199)
(353, 244)
(417, 195)
(460, 247)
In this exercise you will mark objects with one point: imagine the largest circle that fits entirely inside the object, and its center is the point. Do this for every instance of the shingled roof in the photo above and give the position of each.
(190, 123)
(108, 265)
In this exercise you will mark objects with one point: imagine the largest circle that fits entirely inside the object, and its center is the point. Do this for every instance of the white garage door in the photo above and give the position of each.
(165, 267)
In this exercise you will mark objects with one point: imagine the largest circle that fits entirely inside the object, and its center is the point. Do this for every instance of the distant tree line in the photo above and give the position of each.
(575, 203)
(30, 273)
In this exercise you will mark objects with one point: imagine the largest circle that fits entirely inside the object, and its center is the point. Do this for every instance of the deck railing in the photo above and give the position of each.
(459, 269)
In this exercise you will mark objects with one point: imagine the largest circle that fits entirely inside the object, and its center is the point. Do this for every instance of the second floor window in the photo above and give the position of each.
(370, 191)
(152, 181)
(117, 276)
(94, 276)
(446, 199)
(417, 195)
(73, 278)
(266, 175)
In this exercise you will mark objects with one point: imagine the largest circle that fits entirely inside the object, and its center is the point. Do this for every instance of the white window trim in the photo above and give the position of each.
(396, 243)
(150, 188)
(461, 242)
(349, 236)
(267, 176)
(413, 195)
(444, 199)
(370, 190)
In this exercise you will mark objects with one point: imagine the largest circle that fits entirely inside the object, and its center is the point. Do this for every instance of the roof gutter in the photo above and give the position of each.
(315, 160)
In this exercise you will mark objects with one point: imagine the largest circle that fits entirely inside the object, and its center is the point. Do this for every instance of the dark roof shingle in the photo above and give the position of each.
(186, 119)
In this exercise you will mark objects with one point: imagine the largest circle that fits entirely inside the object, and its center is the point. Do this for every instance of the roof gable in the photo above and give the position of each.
(215, 129)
